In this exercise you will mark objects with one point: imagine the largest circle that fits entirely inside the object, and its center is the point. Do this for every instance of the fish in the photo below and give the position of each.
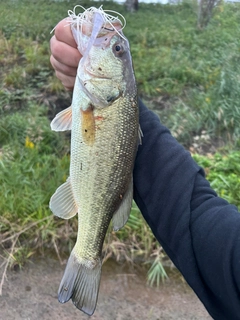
(104, 123)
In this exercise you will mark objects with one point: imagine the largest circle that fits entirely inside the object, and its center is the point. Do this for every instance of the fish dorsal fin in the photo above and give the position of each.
(62, 202)
(120, 217)
(63, 120)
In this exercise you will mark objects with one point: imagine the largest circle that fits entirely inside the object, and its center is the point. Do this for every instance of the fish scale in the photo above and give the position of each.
(99, 171)
(104, 121)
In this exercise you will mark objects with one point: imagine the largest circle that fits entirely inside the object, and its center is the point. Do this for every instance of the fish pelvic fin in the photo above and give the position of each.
(63, 120)
(62, 202)
(80, 283)
(121, 216)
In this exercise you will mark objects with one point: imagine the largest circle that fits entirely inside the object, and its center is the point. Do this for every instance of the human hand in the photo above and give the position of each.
(64, 54)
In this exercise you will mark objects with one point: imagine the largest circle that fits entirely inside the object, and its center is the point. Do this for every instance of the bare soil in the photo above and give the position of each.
(31, 294)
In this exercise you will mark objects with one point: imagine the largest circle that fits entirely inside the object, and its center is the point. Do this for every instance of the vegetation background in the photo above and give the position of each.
(189, 76)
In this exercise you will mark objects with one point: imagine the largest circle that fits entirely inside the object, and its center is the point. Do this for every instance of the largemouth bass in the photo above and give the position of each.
(103, 119)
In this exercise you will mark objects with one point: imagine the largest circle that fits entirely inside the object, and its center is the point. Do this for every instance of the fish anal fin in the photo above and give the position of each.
(63, 120)
(120, 217)
(88, 125)
(80, 283)
(62, 202)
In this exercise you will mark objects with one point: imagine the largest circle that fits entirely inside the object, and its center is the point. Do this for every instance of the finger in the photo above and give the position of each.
(63, 33)
(67, 81)
(64, 53)
(63, 68)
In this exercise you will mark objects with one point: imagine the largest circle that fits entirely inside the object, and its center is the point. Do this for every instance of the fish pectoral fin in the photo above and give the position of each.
(62, 202)
(63, 120)
(81, 283)
(120, 217)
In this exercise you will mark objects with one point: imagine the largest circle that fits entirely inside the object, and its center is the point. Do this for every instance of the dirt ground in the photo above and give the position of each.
(31, 294)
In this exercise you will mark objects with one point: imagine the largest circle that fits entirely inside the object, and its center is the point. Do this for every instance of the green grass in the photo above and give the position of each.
(32, 160)
(197, 72)
(190, 77)
(223, 172)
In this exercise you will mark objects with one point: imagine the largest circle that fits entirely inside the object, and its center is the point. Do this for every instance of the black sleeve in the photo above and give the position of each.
(198, 230)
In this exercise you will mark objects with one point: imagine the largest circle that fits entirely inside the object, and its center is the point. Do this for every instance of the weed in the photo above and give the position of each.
(223, 172)
(156, 273)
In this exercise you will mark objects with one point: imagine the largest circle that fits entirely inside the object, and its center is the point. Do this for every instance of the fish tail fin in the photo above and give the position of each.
(81, 283)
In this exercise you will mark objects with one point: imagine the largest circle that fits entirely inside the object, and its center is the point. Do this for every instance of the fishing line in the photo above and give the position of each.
(83, 22)
(85, 19)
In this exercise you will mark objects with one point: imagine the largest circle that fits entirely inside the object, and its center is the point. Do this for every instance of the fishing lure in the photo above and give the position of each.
(94, 26)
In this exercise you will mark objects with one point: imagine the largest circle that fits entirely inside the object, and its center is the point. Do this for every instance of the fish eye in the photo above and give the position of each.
(118, 49)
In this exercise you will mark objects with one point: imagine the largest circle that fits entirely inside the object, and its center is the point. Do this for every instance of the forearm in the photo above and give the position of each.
(215, 229)
(172, 194)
